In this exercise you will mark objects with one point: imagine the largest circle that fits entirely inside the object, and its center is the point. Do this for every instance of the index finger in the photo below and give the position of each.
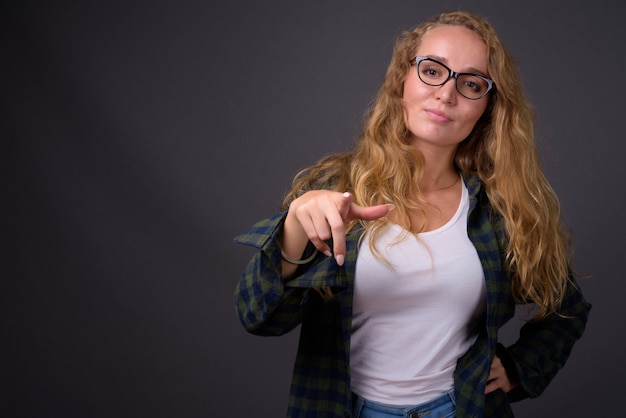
(338, 233)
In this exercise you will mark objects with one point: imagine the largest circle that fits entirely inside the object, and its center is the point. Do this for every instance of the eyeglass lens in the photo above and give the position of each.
(436, 74)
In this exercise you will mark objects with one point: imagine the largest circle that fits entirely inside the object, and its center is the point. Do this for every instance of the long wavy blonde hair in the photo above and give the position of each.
(383, 167)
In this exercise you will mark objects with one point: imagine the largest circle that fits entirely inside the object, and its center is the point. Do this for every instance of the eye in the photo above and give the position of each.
(432, 72)
(472, 84)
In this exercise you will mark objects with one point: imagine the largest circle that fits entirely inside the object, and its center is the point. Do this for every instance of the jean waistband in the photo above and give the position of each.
(408, 410)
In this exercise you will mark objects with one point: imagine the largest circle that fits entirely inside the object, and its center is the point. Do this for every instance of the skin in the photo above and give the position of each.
(439, 118)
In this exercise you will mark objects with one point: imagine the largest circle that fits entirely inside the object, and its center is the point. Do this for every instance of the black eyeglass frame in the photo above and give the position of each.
(451, 74)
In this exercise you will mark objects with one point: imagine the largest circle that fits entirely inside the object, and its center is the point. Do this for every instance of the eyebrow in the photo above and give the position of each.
(468, 70)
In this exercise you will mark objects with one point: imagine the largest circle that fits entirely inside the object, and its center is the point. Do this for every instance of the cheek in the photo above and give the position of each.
(413, 97)
(474, 114)
(413, 89)
(407, 95)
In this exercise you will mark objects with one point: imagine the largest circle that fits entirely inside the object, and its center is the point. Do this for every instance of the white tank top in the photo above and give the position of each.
(415, 316)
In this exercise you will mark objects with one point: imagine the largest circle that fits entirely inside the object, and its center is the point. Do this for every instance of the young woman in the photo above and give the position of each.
(403, 258)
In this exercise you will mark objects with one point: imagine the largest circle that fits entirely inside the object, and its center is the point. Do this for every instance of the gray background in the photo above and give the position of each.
(139, 138)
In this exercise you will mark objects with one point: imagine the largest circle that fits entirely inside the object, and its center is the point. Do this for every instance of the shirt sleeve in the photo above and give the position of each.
(544, 345)
(265, 303)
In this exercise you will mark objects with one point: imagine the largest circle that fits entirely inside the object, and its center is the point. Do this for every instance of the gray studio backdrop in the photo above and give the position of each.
(140, 137)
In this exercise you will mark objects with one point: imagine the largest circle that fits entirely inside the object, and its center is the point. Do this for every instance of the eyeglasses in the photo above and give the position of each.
(434, 73)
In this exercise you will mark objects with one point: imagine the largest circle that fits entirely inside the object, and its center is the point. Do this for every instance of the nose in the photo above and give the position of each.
(447, 91)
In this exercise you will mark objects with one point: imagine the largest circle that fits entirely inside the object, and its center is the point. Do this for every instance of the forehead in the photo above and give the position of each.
(456, 46)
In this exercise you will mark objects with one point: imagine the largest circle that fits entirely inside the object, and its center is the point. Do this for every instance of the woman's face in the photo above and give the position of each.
(438, 117)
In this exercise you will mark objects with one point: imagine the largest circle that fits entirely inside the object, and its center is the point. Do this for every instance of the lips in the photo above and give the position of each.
(438, 116)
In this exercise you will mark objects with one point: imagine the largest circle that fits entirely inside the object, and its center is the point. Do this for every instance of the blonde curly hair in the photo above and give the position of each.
(383, 167)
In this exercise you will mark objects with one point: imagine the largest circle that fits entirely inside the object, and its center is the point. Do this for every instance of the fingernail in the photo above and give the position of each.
(391, 206)
(340, 259)
(327, 253)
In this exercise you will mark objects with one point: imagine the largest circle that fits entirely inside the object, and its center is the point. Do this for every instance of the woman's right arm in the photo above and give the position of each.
(318, 216)
(265, 303)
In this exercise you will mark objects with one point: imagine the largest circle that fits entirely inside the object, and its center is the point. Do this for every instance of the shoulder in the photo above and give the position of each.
(476, 191)
(481, 210)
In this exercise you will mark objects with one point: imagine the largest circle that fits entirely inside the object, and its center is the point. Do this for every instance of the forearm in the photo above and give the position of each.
(264, 305)
(293, 242)
(545, 345)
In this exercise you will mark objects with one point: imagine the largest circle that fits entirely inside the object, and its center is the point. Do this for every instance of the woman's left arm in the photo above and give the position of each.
(543, 347)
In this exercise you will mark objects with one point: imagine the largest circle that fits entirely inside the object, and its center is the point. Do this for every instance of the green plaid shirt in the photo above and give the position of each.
(320, 385)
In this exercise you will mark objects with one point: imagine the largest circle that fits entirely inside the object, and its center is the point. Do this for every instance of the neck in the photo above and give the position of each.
(439, 171)
(440, 182)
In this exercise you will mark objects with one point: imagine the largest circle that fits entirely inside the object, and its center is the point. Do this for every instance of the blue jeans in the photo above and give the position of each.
(441, 407)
